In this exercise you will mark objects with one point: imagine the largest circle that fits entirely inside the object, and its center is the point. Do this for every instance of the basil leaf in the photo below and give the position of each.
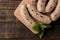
(41, 34)
(37, 27)
(40, 29)
(46, 26)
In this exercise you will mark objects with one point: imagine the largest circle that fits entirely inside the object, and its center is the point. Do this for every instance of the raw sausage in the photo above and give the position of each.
(38, 16)
(56, 14)
(41, 5)
(51, 5)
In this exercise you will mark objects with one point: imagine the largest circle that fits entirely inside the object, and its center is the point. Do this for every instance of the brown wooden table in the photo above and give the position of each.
(11, 27)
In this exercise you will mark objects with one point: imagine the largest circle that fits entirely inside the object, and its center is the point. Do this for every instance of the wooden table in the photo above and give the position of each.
(11, 27)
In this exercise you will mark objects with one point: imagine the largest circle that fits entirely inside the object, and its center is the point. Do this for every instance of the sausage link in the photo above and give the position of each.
(38, 16)
(51, 5)
(56, 14)
(41, 5)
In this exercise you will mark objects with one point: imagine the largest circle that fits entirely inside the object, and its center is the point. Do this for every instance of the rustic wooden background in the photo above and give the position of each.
(11, 27)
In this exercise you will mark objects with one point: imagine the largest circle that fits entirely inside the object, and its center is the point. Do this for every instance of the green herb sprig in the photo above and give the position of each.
(40, 29)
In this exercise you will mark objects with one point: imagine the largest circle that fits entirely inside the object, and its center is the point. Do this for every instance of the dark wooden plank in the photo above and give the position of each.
(9, 4)
(15, 0)
(4, 4)
(11, 27)
(13, 4)
(3, 0)
(7, 16)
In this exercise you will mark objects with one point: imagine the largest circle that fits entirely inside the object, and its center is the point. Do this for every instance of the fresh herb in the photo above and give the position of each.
(41, 29)
(46, 26)
(41, 34)
(37, 27)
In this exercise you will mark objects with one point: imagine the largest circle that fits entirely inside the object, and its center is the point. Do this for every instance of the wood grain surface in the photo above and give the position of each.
(11, 27)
